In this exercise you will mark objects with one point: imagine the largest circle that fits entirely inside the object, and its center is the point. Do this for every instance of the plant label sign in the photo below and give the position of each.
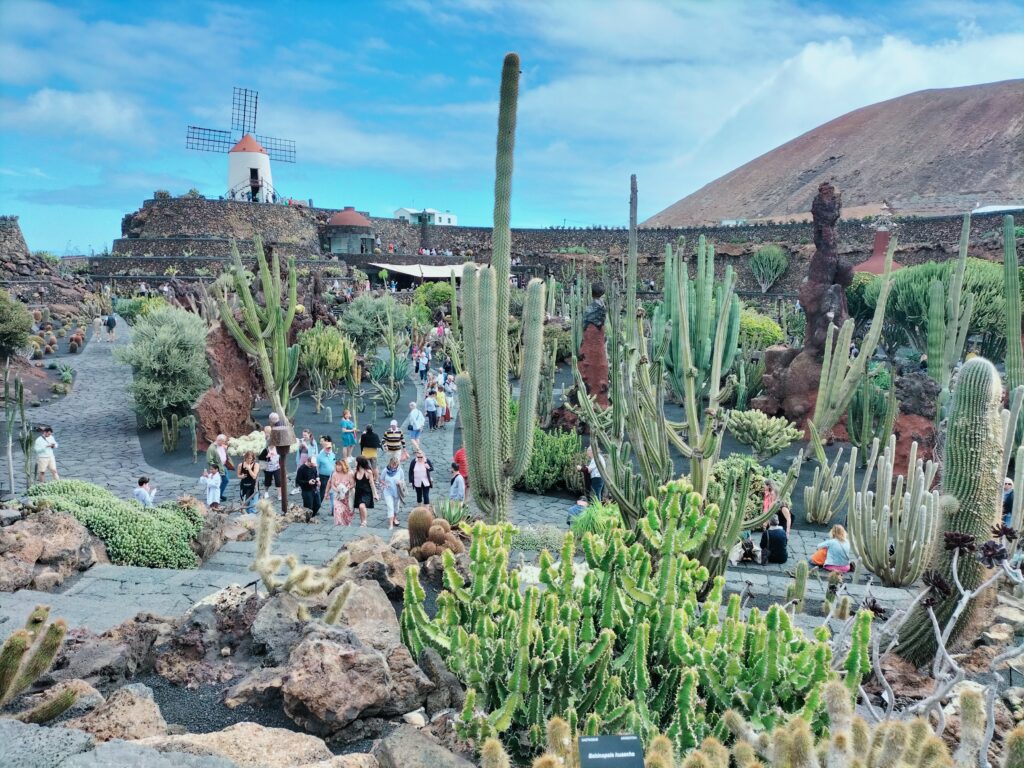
(624, 751)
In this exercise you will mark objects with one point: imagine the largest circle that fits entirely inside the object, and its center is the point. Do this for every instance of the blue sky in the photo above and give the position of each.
(394, 103)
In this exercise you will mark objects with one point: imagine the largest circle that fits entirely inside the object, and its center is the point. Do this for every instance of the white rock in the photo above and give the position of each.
(417, 718)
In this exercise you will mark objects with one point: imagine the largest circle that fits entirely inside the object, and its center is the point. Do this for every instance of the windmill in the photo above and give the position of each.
(249, 153)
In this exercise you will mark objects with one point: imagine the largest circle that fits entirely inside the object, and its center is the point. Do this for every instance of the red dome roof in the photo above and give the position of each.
(349, 217)
(248, 144)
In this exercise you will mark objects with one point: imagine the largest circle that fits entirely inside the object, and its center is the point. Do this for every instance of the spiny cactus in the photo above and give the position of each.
(419, 522)
(766, 435)
(872, 414)
(768, 265)
(170, 429)
(893, 530)
(797, 591)
(827, 492)
(263, 331)
(1011, 291)
(972, 494)
(949, 317)
(27, 654)
(497, 456)
(300, 579)
(628, 649)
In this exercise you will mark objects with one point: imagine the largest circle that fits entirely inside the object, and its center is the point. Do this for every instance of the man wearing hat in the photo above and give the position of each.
(394, 442)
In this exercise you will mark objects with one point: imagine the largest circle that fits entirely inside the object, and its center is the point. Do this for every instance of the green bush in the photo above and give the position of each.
(598, 518)
(732, 469)
(861, 296)
(168, 357)
(365, 318)
(555, 334)
(534, 538)
(15, 326)
(131, 310)
(552, 452)
(758, 331)
(768, 265)
(154, 538)
(433, 295)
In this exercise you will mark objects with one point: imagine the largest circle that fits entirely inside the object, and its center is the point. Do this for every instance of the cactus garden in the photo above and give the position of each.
(740, 504)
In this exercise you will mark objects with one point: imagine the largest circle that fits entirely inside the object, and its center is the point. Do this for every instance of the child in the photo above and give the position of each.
(210, 480)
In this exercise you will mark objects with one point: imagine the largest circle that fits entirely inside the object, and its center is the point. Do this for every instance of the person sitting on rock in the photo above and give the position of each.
(775, 542)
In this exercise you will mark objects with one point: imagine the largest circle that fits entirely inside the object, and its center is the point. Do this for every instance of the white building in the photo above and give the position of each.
(430, 215)
(249, 172)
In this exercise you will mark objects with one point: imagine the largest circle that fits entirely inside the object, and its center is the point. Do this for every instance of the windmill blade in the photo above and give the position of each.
(282, 150)
(208, 139)
(243, 110)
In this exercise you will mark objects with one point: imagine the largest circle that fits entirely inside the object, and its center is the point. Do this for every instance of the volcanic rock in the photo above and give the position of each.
(226, 406)
(249, 745)
(129, 713)
(408, 747)
(43, 549)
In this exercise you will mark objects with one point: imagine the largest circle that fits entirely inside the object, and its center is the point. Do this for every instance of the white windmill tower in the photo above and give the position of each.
(249, 154)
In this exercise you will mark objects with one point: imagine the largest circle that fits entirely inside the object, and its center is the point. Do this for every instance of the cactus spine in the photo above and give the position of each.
(1014, 352)
(497, 457)
(892, 530)
(972, 480)
(263, 330)
(26, 655)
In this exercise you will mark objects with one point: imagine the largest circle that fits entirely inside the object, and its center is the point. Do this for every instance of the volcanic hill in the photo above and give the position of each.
(934, 152)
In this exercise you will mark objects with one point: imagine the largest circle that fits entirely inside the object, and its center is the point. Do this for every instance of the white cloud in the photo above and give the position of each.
(98, 113)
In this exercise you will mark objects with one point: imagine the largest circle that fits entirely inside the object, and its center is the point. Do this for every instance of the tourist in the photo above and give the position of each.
(366, 489)
(430, 408)
(393, 490)
(339, 487)
(414, 421)
(1007, 501)
(144, 494)
(423, 365)
(593, 472)
(210, 482)
(576, 509)
(217, 454)
(369, 445)
(308, 481)
(394, 442)
(307, 447)
(272, 470)
(248, 479)
(457, 490)
(45, 459)
(419, 477)
(775, 542)
(463, 462)
(348, 433)
(111, 324)
(442, 407)
(97, 326)
(325, 465)
(833, 552)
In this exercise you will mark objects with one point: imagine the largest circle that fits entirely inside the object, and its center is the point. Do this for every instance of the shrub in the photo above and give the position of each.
(154, 538)
(365, 318)
(758, 331)
(549, 461)
(732, 469)
(557, 336)
(598, 518)
(534, 538)
(15, 326)
(768, 265)
(326, 357)
(131, 310)
(434, 294)
(168, 357)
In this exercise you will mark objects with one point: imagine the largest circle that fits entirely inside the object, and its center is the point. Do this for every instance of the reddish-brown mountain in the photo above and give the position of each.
(942, 151)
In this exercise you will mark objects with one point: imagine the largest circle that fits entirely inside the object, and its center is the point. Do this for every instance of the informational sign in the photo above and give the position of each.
(611, 752)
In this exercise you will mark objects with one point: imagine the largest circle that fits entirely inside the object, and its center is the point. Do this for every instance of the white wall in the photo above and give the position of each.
(239, 164)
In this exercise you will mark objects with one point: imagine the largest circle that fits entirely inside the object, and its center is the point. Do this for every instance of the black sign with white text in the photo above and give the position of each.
(611, 752)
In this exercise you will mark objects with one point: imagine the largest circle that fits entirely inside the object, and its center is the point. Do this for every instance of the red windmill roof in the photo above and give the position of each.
(248, 144)
(349, 217)
(876, 264)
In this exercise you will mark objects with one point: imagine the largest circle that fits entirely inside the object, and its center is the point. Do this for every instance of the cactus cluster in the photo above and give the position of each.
(429, 535)
(872, 414)
(949, 317)
(893, 527)
(263, 330)
(27, 654)
(971, 498)
(766, 435)
(827, 492)
(497, 455)
(629, 649)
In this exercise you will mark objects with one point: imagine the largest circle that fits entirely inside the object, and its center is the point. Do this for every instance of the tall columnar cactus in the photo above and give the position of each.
(827, 492)
(949, 317)
(26, 655)
(840, 374)
(972, 497)
(892, 528)
(1011, 290)
(579, 299)
(497, 456)
(263, 330)
(871, 415)
(797, 591)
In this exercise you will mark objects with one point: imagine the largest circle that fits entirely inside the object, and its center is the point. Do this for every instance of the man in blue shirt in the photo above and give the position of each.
(325, 465)
(144, 494)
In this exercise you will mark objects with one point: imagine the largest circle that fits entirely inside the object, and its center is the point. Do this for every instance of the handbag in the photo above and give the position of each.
(818, 558)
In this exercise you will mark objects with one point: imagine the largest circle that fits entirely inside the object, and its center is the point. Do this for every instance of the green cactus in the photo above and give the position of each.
(622, 646)
(419, 522)
(840, 375)
(263, 330)
(797, 591)
(766, 435)
(1011, 291)
(170, 429)
(300, 579)
(25, 656)
(949, 317)
(497, 455)
(972, 493)
(872, 414)
(827, 492)
(893, 527)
